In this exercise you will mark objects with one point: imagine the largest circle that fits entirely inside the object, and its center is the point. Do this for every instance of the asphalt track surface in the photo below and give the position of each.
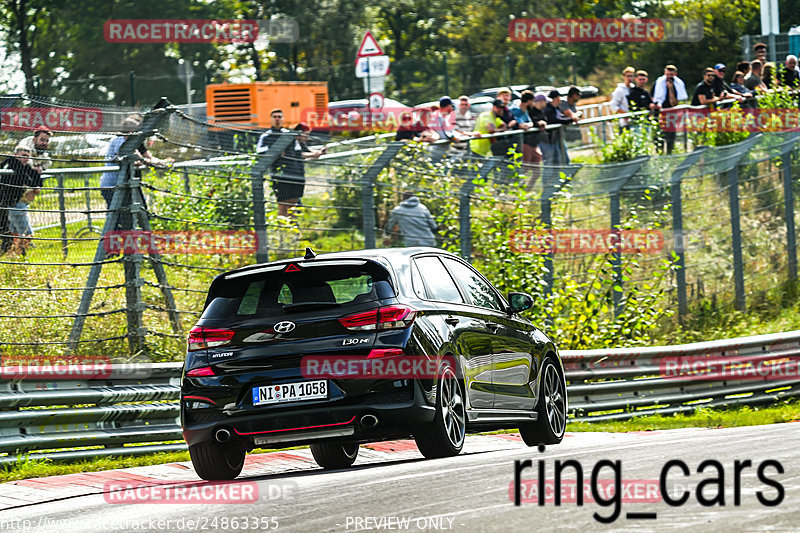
(473, 491)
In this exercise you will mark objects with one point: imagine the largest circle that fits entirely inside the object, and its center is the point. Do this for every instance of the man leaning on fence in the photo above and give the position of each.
(12, 188)
(37, 145)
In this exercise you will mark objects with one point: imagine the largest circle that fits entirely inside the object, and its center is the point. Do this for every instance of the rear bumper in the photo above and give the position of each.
(303, 425)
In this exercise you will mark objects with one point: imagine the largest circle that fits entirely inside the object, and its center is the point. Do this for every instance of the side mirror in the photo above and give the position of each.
(519, 301)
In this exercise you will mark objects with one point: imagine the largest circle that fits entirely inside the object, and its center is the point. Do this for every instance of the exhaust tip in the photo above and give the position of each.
(222, 435)
(369, 421)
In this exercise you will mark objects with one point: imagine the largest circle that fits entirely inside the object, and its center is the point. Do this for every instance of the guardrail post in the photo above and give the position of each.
(678, 235)
(368, 191)
(788, 196)
(264, 162)
(62, 207)
(627, 171)
(464, 208)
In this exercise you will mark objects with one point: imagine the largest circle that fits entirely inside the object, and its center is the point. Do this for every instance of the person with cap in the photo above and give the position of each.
(12, 188)
(488, 122)
(289, 180)
(721, 87)
(414, 222)
(444, 128)
(37, 145)
(552, 149)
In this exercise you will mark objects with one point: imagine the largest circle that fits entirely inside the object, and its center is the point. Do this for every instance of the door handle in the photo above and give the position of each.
(453, 321)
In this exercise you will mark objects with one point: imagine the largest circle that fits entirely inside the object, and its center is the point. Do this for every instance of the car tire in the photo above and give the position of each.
(216, 462)
(551, 408)
(335, 455)
(445, 437)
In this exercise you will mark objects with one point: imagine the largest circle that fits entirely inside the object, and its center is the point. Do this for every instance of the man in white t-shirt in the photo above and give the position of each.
(619, 98)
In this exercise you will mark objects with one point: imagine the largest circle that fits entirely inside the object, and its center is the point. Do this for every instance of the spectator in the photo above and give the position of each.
(743, 67)
(769, 75)
(108, 181)
(530, 150)
(619, 98)
(760, 51)
(408, 129)
(569, 106)
(290, 182)
(704, 92)
(443, 126)
(737, 84)
(668, 91)
(551, 146)
(753, 81)
(639, 98)
(37, 145)
(12, 188)
(504, 94)
(465, 121)
(414, 221)
(490, 121)
(787, 73)
(721, 88)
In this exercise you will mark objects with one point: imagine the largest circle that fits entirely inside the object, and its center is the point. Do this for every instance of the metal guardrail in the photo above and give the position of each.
(133, 409)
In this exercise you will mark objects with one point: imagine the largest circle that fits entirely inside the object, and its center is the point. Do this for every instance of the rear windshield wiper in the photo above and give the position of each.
(303, 305)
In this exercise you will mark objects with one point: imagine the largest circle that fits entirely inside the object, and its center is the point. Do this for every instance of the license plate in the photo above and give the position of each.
(290, 392)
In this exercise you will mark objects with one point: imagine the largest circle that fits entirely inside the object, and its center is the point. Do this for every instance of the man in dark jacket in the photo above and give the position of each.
(12, 187)
(551, 143)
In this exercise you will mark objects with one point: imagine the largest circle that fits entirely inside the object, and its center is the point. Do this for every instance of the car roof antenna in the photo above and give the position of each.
(309, 253)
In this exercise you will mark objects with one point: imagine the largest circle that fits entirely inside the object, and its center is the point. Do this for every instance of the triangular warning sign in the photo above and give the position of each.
(369, 47)
(292, 268)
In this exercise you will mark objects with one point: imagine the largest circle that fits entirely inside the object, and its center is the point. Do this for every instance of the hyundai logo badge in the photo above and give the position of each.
(284, 327)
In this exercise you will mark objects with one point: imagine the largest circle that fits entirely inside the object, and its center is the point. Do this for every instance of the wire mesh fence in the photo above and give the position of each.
(92, 279)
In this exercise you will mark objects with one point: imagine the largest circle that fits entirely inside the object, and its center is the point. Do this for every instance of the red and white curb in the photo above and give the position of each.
(46, 489)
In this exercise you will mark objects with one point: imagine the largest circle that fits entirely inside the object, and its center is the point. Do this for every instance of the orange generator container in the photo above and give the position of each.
(247, 105)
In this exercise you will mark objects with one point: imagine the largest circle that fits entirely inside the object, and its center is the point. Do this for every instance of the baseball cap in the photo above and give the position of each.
(554, 94)
(445, 101)
(719, 66)
(302, 127)
(504, 90)
(539, 97)
(43, 128)
(498, 103)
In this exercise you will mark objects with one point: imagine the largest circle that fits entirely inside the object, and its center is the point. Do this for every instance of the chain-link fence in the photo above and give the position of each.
(92, 279)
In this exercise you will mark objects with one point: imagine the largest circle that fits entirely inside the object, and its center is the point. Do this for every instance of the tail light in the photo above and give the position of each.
(200, 372)
(385, 352)
(201, 338)
(389, 317)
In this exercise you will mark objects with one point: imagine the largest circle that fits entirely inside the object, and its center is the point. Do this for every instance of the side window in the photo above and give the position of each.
(440, 285)
(417, 283)
(479, 291)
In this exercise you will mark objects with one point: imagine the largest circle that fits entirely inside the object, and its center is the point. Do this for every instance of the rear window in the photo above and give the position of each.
(274, 294)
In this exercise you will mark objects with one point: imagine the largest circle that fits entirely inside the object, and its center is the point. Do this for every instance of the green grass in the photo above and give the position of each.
(702, 418)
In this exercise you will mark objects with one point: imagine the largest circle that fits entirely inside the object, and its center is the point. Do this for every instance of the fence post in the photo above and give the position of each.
(552, 182)
(464, 216)
(368, 191)
(736, 238)
(626, 172)
(132, 263)
(678, 235)
(264, 162)
(62, 215)
(88, 196)
(788, 195)
(121, 197)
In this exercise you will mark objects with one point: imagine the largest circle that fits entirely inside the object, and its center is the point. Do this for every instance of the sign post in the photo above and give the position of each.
(371, 61)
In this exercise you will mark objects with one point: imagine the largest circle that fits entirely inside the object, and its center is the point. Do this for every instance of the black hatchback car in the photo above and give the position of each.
(246, 381)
